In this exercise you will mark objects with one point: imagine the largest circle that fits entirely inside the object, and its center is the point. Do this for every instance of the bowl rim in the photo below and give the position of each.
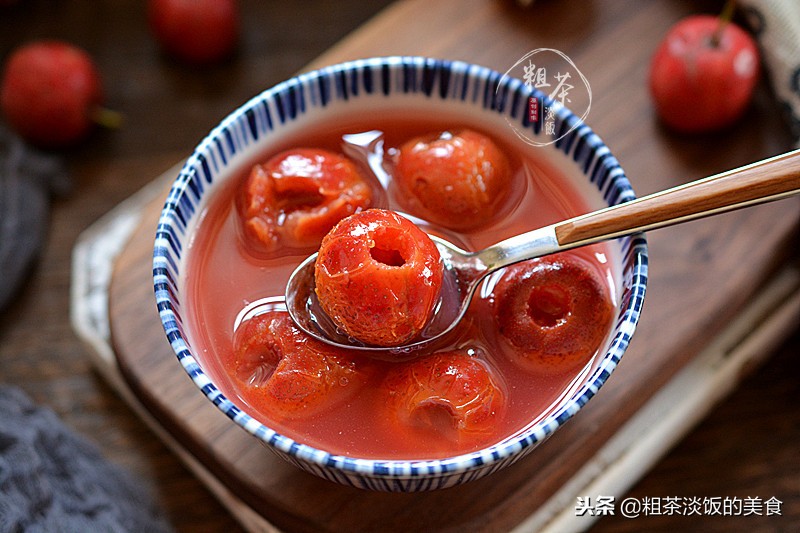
(198, 167)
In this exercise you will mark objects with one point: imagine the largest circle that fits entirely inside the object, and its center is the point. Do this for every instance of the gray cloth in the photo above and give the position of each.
(52, 480)
(776, 24)
(28, 178)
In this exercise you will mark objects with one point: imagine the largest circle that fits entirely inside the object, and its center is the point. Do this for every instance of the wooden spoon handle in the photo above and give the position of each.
(764, 181)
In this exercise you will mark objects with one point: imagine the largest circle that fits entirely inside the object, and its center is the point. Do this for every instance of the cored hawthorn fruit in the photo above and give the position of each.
(284, 372)
(703, 74)
(449, 395)
(378, 276)
(555, 312)
(297, 196)
(51, 93)
(455, 179)
(195, 31)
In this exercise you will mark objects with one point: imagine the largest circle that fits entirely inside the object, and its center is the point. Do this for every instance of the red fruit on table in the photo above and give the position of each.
(195, 31)
(297, 196)
(555, 312)
(702, 75)
(455, 179)
(378, 277)
(50, 93)
(449, 395)
(280, 370)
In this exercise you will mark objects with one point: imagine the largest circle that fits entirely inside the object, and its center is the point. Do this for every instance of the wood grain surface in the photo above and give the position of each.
(702, 273)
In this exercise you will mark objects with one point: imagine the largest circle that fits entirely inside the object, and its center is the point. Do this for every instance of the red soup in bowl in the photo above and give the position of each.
(528, 341)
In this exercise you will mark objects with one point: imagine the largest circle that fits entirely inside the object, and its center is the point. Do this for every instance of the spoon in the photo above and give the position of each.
(771, 179)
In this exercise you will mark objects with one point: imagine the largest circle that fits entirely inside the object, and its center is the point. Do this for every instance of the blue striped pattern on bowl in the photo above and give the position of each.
(364, 82)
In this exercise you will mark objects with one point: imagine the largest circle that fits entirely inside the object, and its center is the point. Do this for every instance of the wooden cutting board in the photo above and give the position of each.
(703, 275)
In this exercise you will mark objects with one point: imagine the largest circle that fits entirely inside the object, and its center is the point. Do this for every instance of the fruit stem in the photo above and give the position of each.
(724, 18)
(108, 118)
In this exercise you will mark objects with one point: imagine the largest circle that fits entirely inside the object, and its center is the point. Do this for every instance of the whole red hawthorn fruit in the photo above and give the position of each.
(378, 277)
(555, 312)
(702, 75)
(195, 31)
(450, 395)
(50, 92)
(294, 198)
(455, 179)
(280, 370)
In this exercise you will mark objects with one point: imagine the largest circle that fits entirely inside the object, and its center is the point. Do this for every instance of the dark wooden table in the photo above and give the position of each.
(748, 446)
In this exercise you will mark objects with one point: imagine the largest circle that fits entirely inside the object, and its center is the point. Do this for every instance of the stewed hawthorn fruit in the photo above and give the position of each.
(455, 179)
(525, 337)
(378, 276)
(554, 311)
(293, 199)
(286, 373)
(451, 395)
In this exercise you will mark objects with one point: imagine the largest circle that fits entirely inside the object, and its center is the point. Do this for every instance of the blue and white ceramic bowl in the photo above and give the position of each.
(466, 92)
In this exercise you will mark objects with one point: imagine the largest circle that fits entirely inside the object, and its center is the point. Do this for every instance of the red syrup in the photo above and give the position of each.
(226, 285)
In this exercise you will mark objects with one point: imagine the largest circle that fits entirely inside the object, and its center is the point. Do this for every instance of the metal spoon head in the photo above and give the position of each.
(307, 313)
